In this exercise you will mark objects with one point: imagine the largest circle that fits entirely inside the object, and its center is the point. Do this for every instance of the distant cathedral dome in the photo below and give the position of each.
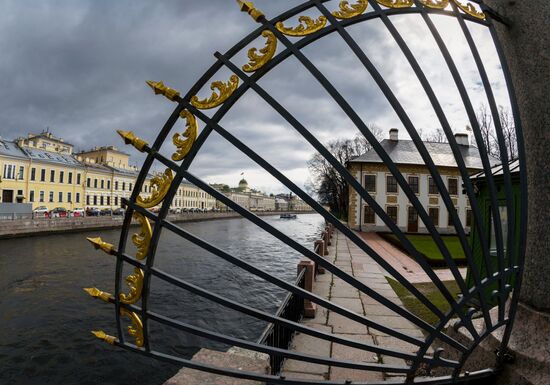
(243, 183)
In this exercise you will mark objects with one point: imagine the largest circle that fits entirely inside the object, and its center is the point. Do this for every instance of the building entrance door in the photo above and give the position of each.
(412, 221)
(7, 196)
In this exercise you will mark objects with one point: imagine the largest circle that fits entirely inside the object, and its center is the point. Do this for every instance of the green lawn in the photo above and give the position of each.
(416, 307)
(427, 247)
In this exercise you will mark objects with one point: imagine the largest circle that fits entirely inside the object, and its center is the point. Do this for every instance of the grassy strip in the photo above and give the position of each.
(431, 292)
(428, 249)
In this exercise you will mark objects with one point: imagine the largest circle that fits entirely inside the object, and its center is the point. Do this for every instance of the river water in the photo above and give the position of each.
(46, 317)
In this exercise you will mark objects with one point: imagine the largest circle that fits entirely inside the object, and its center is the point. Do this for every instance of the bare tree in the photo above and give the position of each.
(329, 185)
(489, 135)
(437, 136)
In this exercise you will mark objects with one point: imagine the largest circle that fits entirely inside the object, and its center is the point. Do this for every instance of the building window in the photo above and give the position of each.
(108, 201)
(370, 183)
(43, 175)
(95, 183)
(123, 186)
(108, 185)
(102, 183)
(21, 173)
(51, 196)
(69, 197)
(52, 176)
(77, 197)
(129, 187)
(468, 217)
(70, 178)
(60, 196)
(116, 184)
(61, 176)
(101, 200)
(41, 196)
(33, 173)
(434, 215)
(88, 182)
(78, 179)
(369, 215)
(432, 188)
(87, 200)
(391, 184)
(31, 196)
(453, 186)
(413, 183)
(95, 200)
(9, 171)
(116, 201)
(392, 213)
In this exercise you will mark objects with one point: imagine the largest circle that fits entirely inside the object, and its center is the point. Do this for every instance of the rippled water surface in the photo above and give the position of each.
(46, 318)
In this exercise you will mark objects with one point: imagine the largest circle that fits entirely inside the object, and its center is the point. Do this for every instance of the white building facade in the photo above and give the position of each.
(376, 178)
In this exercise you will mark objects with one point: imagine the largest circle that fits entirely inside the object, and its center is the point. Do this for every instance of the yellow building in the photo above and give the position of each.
(43, 170)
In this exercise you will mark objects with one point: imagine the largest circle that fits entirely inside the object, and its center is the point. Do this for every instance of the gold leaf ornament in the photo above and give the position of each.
(306, 27)
(435, 4)
(130, 138)
(225, 90)
(135, 282)
(257, 61)
(248, 7)
(469, 9)
(160, 184)
(99, 244)
(190, 134)
(396, 3)
(348, 11)
(142, 240)
(160, 89)
(136, 328)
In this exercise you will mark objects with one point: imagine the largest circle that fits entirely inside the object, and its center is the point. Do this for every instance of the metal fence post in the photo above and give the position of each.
(318, 246)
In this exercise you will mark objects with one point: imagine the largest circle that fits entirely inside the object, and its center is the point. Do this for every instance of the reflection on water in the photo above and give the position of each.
(46, 318)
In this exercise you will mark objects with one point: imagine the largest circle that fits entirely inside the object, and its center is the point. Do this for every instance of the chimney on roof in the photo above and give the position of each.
(462, 139)
(394, 134)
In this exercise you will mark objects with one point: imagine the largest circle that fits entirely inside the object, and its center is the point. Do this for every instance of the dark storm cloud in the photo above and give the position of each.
(79, 68)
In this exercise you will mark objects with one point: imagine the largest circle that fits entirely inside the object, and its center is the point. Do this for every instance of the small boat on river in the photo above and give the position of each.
(288, 216)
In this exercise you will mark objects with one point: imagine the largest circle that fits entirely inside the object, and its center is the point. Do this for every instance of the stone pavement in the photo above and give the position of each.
(354, 261)
(408, 267)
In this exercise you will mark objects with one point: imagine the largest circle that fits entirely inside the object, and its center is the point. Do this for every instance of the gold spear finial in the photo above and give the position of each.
(96, 293)
(248, 7)
(130, 138)
(104, 337)
(161, 89)
(98, 244)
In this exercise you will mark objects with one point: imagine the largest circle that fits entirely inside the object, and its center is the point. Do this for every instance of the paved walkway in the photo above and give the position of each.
(407, 266)
(353, 260)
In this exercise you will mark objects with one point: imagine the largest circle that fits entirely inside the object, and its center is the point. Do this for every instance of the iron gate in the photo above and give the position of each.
(277, 48)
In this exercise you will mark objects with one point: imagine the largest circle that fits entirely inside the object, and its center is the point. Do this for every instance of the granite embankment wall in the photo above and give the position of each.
(40, 226)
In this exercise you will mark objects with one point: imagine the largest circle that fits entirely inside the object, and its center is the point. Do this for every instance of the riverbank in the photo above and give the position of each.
(41, 226)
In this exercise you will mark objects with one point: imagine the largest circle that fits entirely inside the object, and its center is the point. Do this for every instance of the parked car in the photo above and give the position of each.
(92, 212)
(119, 211)
(40, 211)
(176, 210)
(59, 212)
(79, 212)
(106, 212)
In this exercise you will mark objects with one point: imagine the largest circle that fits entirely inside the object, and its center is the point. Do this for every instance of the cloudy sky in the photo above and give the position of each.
(79, 69)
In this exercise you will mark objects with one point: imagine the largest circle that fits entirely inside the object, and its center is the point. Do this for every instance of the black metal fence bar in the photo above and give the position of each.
(276, 380)
(352, 115)
(478, 221)
(504, 158)
(349, 178)
(295, 291)
(523, 190)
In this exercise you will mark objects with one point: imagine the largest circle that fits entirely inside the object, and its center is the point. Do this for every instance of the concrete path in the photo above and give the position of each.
(403, 263)
(351, 259)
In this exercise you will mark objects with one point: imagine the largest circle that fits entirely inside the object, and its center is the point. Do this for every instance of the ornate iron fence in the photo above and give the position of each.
(134, 305)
